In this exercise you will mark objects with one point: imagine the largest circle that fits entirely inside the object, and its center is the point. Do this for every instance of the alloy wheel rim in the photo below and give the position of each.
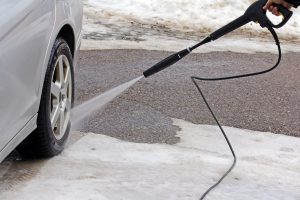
(61, 97)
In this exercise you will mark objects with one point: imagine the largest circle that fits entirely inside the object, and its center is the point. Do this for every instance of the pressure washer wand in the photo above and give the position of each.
(172, 59)
(253, 13)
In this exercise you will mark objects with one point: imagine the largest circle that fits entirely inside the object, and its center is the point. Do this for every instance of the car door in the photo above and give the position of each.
(25, 29)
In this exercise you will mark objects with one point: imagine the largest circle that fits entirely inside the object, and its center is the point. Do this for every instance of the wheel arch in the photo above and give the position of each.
(67, 33)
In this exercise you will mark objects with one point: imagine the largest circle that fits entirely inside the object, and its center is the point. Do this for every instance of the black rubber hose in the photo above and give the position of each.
(194, 78)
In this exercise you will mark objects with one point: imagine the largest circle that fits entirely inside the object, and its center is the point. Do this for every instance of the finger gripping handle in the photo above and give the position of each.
(286, 13)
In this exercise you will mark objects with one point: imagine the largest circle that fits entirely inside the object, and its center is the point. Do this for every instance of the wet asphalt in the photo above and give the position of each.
(144, 113)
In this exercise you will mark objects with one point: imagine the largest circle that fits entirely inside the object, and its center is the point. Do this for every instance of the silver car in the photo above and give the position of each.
(39, 43)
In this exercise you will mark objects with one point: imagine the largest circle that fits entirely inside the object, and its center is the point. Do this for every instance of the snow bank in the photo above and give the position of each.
(156, 24)
(204, 15)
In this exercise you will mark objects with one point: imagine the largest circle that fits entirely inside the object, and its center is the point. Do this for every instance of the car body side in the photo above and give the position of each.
(28, 31)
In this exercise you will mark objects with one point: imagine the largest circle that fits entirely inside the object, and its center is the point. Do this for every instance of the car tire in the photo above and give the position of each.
(53, 122)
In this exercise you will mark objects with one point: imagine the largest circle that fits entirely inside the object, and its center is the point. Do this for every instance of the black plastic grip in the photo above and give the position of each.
(286, 13)
(166, 62)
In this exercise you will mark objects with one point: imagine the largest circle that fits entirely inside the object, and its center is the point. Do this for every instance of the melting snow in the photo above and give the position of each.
(100, 167)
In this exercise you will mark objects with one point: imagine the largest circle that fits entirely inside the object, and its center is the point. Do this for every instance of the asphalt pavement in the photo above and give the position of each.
(144, 113)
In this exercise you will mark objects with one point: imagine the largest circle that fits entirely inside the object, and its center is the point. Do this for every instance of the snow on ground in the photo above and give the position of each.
(103, 168)
(175, 24)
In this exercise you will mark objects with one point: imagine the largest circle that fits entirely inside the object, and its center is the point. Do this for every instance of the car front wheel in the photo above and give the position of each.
(53, 123)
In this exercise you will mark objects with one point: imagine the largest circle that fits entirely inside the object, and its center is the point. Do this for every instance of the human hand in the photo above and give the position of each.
(273, 9)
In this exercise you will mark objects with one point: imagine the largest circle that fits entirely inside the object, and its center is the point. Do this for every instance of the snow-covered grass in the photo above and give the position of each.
(98, 167)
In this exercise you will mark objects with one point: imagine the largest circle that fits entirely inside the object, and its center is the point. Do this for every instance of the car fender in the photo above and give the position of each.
(63, 16)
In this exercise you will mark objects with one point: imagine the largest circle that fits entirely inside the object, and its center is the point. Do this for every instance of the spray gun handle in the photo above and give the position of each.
(286, 14)
(254, 13)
